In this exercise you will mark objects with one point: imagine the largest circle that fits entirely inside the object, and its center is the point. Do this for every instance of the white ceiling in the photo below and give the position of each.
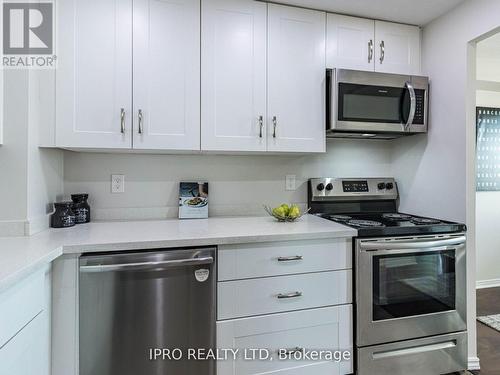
(415, 12)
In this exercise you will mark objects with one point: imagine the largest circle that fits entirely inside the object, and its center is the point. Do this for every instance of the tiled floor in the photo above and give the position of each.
(488, 339)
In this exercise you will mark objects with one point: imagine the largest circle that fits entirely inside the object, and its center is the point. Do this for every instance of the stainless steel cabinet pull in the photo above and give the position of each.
(297, 349)
(289, 295)
(275, 123)
(382, 51)
(139, 116)
(261, 125)
(290, 258)
(122, 120)
(370, 50)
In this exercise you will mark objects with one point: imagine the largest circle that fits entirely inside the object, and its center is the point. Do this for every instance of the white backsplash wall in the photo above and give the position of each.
(238, 184)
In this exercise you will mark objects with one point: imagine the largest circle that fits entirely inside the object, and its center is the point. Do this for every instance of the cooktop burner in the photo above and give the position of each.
(365, 223)
(396, 216)
(424, 221)
(340, 217)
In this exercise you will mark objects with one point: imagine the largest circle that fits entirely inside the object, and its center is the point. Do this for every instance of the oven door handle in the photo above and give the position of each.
(402, 245)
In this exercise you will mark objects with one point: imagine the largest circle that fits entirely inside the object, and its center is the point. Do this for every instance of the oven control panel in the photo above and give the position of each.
(338, 189)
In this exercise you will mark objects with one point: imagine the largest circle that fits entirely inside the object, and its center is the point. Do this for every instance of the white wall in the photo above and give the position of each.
(488, 203)
(45, 166)
(438, 172)
(237, 184)
(30, 177)
(13, 167)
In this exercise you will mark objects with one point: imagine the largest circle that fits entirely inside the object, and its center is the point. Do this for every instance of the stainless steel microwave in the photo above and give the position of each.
(375, 105)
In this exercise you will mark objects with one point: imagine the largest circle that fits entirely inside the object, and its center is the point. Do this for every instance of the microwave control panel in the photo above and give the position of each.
(420, 107)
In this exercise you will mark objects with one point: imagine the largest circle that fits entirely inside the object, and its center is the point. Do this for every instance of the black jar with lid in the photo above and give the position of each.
(63, 216)
(81, 208)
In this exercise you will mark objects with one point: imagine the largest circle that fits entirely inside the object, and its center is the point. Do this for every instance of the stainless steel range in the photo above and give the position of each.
(410, 287)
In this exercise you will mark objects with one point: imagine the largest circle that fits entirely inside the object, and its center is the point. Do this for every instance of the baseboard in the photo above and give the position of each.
(482, 284)
(473, 363)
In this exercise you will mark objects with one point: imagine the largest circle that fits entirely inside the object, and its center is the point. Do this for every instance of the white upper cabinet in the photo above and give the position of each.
(94, 75)
(166, 86)
(296, 79)
(363, 44)
(350, 42)
(397, 48)
(233, 83)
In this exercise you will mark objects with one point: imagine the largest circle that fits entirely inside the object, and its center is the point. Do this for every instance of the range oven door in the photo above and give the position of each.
(409, 288)
(368, 102)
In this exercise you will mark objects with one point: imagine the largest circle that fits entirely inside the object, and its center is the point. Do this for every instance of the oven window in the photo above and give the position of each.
(413, 284)
(372, 103)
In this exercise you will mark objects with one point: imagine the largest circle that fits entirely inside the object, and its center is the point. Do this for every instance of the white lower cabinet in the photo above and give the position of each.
(327, 329)
(27, 353)
(25, 342)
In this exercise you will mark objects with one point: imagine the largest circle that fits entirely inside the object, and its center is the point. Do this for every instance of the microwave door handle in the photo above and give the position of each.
(413, 106)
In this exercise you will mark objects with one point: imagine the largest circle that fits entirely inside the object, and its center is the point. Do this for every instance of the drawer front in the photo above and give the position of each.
(20, 304)
(283, 258)
(435, 355)
(283, 293)
(328, 328)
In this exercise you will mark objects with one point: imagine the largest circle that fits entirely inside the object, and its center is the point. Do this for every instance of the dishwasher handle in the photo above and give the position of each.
(148, 265)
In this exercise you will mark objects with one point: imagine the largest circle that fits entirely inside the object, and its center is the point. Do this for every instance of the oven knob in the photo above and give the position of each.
(320, 187)
(381, 186)
(329, 186)
(389, 186)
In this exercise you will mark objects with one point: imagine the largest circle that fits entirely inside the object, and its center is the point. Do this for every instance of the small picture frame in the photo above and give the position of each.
(193, 200)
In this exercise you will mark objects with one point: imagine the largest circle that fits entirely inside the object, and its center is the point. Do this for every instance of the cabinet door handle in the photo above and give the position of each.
(122, 120)
(261, 125)
(275, 124)
(370, 50)
(289, 295)
(382, 51)
(139, 118)
(290, 258)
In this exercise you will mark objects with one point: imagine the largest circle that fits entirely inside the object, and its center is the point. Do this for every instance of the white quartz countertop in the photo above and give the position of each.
(21, 255)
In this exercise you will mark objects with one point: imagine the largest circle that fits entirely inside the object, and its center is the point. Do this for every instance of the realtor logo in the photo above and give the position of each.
(28, 35)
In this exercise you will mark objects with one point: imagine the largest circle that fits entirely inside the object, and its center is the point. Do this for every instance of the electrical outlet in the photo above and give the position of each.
(118, 183)
(290, 182)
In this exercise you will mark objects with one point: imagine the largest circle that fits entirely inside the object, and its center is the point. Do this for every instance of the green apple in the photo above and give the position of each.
(285, 209)
(294, 212)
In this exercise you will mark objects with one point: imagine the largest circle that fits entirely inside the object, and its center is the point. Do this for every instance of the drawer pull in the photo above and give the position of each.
(291, 351)
(290, 258)
(289, 295)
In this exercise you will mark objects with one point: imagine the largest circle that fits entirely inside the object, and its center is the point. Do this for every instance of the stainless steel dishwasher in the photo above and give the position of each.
(133, 303)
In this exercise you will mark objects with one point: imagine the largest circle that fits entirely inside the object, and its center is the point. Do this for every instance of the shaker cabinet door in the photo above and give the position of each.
(94, 74)
(296, 79)
(233, 81)
(327, 328)
(166, 83)
(397, 48)
(350, 42)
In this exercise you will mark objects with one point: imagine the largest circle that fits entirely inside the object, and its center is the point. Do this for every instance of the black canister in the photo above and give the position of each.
(63, 216)
(81, 208)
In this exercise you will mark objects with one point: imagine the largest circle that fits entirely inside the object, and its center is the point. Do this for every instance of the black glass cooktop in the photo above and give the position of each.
(393, 224)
